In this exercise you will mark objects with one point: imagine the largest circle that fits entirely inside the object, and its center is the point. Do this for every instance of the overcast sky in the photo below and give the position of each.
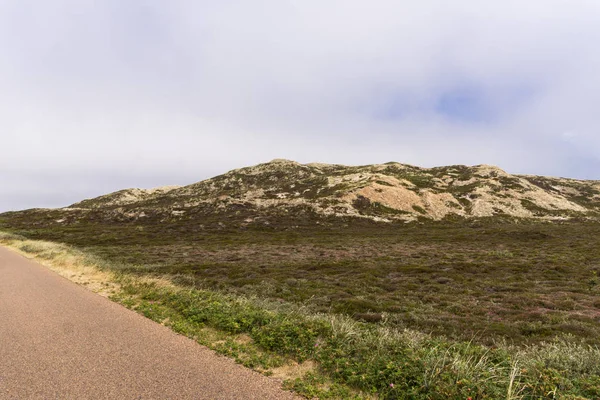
(96, 96)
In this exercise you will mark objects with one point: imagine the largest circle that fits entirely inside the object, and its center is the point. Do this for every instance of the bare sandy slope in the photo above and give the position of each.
(61, 341)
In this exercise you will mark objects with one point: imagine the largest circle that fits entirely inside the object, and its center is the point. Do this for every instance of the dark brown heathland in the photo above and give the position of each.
(59, 340)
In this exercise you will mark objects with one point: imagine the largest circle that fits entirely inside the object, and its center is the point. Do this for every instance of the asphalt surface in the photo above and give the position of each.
(61, 341)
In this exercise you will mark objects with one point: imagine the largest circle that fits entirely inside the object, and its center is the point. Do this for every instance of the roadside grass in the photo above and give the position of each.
(68, 262)
(331, 355)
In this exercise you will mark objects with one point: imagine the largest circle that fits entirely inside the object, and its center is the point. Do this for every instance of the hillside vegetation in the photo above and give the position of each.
(391, 192)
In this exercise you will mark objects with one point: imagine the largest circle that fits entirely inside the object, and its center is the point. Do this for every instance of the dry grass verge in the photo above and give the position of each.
(65, 261)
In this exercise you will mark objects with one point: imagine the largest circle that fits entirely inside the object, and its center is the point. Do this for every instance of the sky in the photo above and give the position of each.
(97, 96)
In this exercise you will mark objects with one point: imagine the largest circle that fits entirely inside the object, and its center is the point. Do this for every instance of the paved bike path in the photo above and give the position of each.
(61, 341)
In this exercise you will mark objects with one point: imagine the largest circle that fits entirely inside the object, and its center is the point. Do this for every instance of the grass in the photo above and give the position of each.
(447, 310)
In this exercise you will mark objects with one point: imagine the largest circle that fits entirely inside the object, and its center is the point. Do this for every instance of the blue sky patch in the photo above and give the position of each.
(464, 105)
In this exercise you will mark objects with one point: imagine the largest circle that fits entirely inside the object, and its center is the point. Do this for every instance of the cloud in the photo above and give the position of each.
(140, 93)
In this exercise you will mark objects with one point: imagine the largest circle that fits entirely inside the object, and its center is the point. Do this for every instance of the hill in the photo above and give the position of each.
(288, 193)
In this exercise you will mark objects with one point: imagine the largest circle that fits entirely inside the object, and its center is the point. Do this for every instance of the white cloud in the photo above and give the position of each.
(152, 92)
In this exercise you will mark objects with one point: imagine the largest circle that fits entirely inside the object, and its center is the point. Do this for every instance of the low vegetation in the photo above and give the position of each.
(360, 351)
(484, 281)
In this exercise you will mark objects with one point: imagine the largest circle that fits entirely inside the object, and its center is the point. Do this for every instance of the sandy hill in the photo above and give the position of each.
(383, 192)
